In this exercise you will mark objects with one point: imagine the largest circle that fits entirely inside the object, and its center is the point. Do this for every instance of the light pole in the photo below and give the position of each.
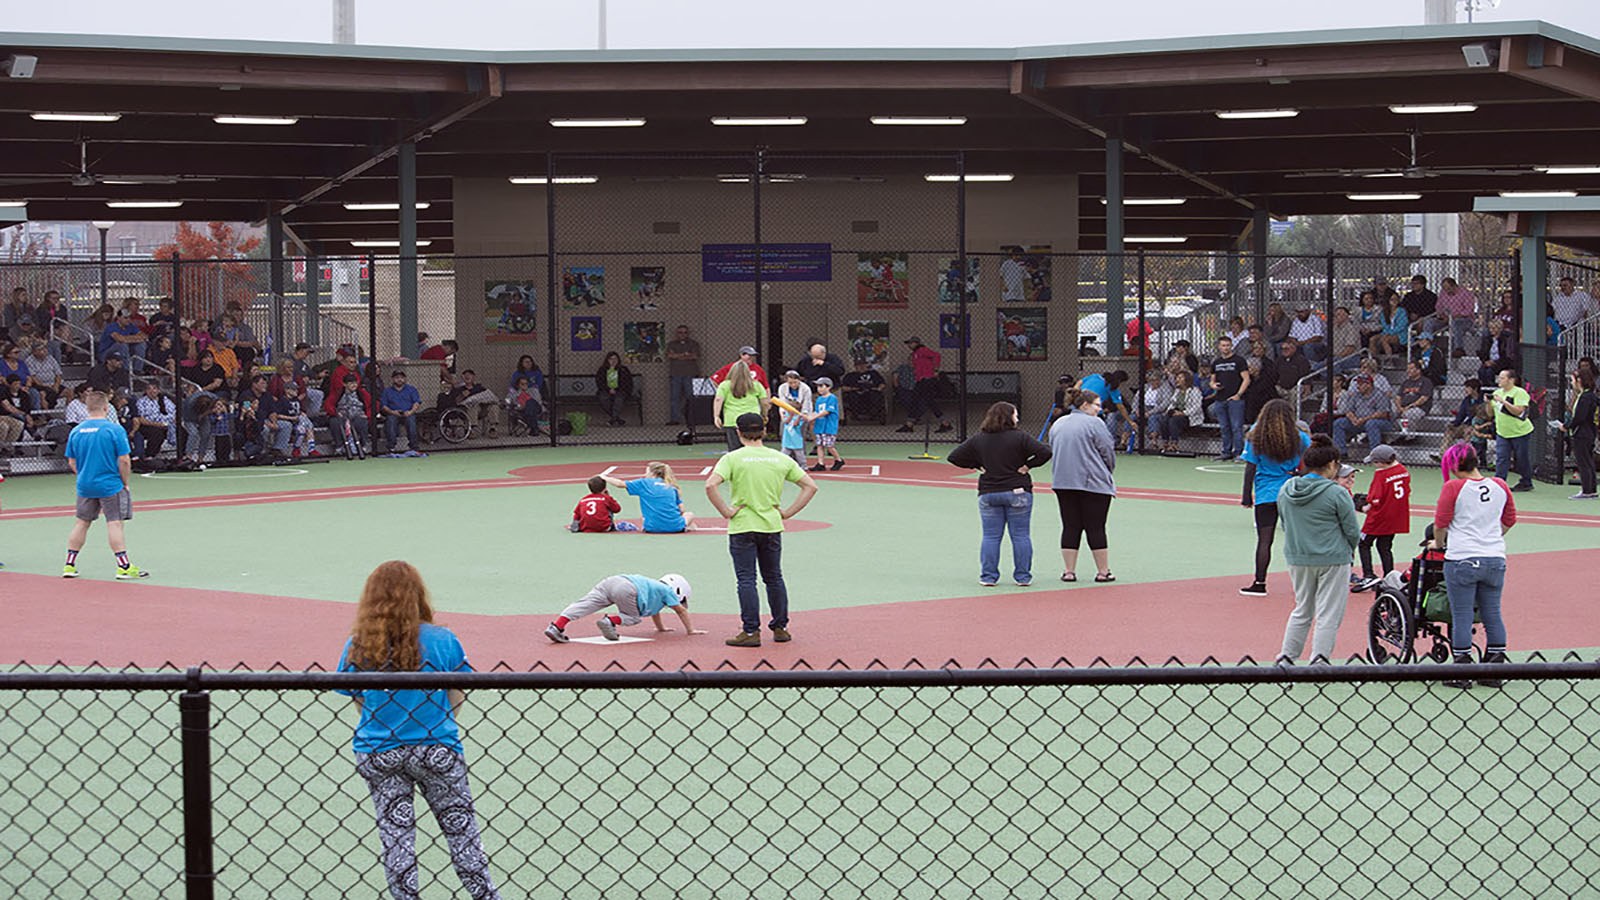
(103, 226)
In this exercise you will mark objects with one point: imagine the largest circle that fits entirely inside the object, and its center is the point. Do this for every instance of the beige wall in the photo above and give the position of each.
(494, 217)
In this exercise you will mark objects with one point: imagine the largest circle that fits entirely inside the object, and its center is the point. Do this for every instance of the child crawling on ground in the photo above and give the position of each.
(635, 597)
(593, 513)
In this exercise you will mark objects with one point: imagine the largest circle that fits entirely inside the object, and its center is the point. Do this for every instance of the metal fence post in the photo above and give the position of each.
(961, 293)
(552, 398)
(1327, 330)
(372, 307)
(194, 706)
(1143, 345)
(760, 163)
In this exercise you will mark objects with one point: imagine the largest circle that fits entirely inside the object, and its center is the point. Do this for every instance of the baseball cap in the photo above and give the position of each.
(751, 423)
(913, 340)
(1383, 453)
(791, 374)
(825, 380)
(302, 346)
(1346, 470)
(1425, 336)
(1363, 378)
(1066, 379)
(748, 349)
(116, 353)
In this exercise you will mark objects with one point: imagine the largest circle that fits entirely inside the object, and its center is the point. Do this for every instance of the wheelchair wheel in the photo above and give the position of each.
(1390, 630)
(454, 426)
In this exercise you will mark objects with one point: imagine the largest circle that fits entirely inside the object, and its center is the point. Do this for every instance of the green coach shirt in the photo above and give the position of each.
(755, 477)
(1507, 425)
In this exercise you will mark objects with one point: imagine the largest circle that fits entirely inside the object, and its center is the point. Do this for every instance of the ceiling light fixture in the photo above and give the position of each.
(378, 243)
(75, 117)
(1384, 175)
(1257, 113)
(559, 179)
(758, 120)
(13, 204)
(1379, 198)
(1154, 239)
(1568, 170)
(973, 176)
(144, 204)
(1536, 195)
(1423, 109)
(597, 123)
(365, 207)
(255, 120)
(1150, 201)
(918, 120)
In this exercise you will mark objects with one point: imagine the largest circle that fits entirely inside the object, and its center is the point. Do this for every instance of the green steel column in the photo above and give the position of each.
(408, 251)
(1259, 231)
(1115, 231)
(313, 263)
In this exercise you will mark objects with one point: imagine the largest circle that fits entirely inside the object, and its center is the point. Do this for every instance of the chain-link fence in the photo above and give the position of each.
(1251, 781)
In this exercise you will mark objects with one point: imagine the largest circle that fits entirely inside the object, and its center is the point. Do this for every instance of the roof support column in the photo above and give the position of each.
(1230, 274)
(1534, 354)
(1116, 230)
(313, 264)
(408, 251)
(274, 341)
(1260, 228)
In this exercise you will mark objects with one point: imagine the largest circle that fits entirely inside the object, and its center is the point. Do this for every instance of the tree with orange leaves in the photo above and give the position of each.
(213, 269)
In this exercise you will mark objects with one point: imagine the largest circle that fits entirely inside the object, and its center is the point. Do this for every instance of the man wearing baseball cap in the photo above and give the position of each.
(747, 355)
(925, 374)
(756, 475)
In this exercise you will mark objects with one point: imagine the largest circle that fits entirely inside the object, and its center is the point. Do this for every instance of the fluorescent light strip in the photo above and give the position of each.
(1150, 201)
(1384, 175)
(1378, 198)
(758, 120)
(918, 120)
(385, 243)
(992, 176)
(1536, 195)
(1154, 239)
(559, 179)
(1568, 170)
(255, 120)
(144, 204)
(365, 207)
(13, 204)
(596, 123)
(75, 117)
(1423, 109)
(1257, 113)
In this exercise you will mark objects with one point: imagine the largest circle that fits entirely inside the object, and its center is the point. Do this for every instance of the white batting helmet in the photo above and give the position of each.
(679, 585)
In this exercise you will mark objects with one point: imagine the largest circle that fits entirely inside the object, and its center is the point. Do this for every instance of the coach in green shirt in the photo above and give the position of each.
(1513, 432)
(756, 475)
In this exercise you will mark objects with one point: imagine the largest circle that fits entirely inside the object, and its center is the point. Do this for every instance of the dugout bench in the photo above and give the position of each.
(577, 392)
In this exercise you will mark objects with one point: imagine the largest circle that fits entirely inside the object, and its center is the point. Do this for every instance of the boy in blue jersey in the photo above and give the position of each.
(825, 424)
(635, 597)
(97, 451)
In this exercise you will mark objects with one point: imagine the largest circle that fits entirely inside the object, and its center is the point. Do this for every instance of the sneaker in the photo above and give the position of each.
(1365, 584)
(555, 634)
(1523, 486)
(1582, 496)
(69, 571)
(943, 427)
(781, 636)
(1284, 661)
(903, 429)
(1493, 657)
(608, 628)
(745, 639)
(986, 584)
(1462, 683)
(1254, 589)
(1222, 457)
(131, 573)
(839, 464)
(819, 467)
(1022, 583)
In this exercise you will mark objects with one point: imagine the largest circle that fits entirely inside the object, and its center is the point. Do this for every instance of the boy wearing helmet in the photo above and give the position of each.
(635, 597)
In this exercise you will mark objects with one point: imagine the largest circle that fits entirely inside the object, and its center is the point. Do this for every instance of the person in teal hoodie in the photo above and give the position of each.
(1320, 535)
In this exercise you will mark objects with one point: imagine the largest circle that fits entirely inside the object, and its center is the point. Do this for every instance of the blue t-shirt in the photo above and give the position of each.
(1271, 474)
(653, 595)
(400, 400)
(793, 437)
(827, 421)
(95, 445)
(1097, 383)
(659, 503)
(410, 718)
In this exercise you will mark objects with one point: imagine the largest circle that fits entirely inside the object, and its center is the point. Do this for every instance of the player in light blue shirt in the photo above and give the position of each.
(659, 499)
(825, 424)
(635, 597)
(97, 451)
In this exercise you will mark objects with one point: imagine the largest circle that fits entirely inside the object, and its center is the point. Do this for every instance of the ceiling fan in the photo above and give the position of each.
(1413, 168)
(85, 178)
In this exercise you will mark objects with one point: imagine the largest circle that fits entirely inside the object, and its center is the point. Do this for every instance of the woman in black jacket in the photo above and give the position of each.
(1582, 428)
(1003, 455)
(613, 384)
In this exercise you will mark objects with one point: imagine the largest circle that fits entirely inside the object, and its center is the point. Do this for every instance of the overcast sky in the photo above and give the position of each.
(566, 24)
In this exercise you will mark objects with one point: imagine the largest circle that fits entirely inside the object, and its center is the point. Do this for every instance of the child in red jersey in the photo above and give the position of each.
(1388, 511)
(592, 515)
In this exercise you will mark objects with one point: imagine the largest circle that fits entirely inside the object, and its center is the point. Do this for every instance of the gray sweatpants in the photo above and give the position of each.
(392, 777)
(612, 590)
(1320, 592)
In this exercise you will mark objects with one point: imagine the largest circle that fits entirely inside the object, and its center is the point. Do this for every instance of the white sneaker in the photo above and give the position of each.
(608, 628)
(555, 634)
(1582, 496)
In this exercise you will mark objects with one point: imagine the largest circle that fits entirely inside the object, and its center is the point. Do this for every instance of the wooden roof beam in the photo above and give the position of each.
(1553, 65)
(1211, 67)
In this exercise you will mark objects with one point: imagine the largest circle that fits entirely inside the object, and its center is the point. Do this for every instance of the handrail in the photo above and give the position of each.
(71, 326)
(1582, 338)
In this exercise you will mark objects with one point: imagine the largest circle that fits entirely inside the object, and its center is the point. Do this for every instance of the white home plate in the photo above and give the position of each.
(621, 639)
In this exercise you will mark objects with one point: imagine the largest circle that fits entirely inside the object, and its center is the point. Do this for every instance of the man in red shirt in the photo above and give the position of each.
(440, 351)
(747, 355)
(348, 366)
(925, 373)
(1388, 513)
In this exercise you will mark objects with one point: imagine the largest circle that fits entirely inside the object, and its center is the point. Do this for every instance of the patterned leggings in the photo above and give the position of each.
(441, 773)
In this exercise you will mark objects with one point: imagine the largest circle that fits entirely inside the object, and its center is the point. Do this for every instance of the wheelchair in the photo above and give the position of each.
(1410, 608)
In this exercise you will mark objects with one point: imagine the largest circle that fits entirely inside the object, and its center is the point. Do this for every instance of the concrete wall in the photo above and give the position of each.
(618, 223)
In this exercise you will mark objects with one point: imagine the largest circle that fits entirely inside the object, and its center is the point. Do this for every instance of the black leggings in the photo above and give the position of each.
(1385, 544)
(1266, 529)
(1583, 450)
(1083, 513)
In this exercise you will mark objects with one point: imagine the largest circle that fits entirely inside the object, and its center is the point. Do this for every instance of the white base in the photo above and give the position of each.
(621, 639)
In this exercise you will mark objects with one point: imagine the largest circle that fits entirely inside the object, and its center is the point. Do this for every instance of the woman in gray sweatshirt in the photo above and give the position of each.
(1083, 457)
(1320, 536)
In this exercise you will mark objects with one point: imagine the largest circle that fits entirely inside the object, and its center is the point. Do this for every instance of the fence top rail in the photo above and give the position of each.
(196, 679)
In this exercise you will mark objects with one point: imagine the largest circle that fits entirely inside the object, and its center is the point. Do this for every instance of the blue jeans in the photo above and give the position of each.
(1343, 430)
(391, 425)
(999, 512)
(680, 392)
(1475, 583)
(1522, 448)
(1230, 415)
(764, 550)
